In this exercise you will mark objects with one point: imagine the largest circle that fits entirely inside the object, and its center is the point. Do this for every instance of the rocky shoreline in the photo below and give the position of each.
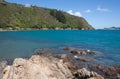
(42, 65)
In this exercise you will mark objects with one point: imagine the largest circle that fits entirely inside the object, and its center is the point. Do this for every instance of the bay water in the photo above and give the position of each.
(24, 43)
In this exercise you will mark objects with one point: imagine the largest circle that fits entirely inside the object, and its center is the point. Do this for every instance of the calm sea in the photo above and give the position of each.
(24, 43)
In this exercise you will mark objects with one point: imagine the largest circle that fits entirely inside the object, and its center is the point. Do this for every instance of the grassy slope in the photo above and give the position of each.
(18, 16)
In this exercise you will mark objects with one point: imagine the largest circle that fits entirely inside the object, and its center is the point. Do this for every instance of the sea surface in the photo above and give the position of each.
(24, 43)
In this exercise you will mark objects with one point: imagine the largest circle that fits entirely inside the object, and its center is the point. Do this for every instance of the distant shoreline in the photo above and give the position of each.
(32, 29)
(29, 29)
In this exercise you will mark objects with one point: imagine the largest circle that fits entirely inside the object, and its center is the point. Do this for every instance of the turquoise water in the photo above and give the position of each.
(24, 43)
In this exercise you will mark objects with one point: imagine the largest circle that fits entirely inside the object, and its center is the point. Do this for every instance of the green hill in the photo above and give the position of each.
(20, 17)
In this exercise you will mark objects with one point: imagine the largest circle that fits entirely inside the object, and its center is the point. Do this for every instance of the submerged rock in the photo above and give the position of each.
(83, 52)
(79, 51)
(43, 51)
(68, 48)
(109, 72)
(83, 59)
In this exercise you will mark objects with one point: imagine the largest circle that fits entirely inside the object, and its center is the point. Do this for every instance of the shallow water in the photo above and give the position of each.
(23, 43)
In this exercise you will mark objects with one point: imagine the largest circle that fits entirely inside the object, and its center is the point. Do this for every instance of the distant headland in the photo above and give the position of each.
(110, 28)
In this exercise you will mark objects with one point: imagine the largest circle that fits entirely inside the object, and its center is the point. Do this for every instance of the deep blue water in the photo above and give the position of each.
(24, 43)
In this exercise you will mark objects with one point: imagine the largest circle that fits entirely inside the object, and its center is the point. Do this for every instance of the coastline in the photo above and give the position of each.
(77, 62)
(51, 67)
(30, 29)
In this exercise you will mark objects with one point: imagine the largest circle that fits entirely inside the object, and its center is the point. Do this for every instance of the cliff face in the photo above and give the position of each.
(46, 67)
(17, 17)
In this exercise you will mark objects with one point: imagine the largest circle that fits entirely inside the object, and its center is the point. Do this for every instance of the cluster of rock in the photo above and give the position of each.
(80, 52)
(46, 67)
(109, 72)
(85, 74)
(84, 60)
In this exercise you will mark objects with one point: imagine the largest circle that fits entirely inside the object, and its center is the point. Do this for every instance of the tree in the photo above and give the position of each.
(53, 12)
(58, 15)
(2, 0)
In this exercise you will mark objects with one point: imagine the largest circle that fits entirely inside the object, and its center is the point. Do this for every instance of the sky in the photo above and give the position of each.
(98, 13)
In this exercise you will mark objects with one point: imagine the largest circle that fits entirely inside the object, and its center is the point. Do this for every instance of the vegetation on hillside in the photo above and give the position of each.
(20, 17)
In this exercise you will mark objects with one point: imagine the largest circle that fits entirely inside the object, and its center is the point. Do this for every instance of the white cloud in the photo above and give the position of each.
(27, 5)
(102, 9)
(88, 11)
(74, 13)
(77, 14)
(70, 12)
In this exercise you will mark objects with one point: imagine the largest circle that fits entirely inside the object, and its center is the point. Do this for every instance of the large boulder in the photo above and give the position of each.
(37, 67)
(3, 64)
(46, 67)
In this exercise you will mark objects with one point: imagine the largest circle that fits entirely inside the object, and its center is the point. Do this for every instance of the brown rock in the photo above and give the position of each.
(6, 72)
(109, 72)
(67, 60)
(85, 74)
(3, 64)
(91, 53)
(84, 59)
(43, 51)
(39, 67)
(47, 67)
(68, 48)
(65, 57)
(81, 52)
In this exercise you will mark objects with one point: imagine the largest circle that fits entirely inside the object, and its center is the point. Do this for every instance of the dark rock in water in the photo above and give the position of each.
(65, 57)
(68, 48)
(84, 59)
(83, 52)
(85, 74)
(45, 51)
(91, 53)
(3, 64)
(109, 72)
(80, 52)
(112, 72)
